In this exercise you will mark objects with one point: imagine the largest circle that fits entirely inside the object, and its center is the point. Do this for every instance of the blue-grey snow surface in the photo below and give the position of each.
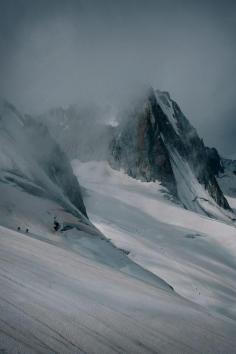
(106, 288)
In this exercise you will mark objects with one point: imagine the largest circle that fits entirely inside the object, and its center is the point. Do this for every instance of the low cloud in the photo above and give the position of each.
(55, 53)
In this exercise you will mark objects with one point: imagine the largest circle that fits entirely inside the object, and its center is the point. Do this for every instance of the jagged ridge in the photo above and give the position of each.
(157, 141)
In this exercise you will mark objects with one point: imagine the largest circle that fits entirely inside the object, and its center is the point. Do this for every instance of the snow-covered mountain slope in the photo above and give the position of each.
(56, 301)
(156, 142)
(73, 292)
(152, 141)
(21, 209)
(193, 253)
(32, 161)
(76, 291)
(37, 184)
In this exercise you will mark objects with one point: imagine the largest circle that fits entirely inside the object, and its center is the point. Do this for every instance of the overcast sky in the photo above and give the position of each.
(60, 52)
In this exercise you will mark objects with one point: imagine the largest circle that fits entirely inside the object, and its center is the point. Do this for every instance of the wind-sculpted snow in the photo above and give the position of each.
(56, 301)
(193, 253)
(33, 161)
(149, 277)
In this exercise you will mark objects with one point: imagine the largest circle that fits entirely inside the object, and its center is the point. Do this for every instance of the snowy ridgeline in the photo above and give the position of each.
(31, 159)
(142, 275)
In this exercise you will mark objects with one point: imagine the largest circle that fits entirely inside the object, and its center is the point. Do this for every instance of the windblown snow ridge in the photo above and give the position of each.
(33, 161)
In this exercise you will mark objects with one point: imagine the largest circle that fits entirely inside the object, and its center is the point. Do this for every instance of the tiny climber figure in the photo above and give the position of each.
(56, 224)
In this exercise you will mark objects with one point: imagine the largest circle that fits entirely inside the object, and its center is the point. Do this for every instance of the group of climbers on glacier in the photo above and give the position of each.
(56, 226)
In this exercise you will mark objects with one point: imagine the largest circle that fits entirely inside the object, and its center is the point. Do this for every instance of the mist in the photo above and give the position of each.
(57, 53)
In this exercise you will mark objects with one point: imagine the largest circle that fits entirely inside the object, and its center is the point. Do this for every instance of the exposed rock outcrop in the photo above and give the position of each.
(157, 142)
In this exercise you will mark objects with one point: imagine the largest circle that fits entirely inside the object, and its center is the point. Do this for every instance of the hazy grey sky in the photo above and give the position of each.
(59, 52)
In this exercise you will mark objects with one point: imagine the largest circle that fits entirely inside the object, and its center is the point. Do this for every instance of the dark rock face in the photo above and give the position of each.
(144, 144)
(215, 163)
(139, 149)
(193, 150)
(228, 165)
(227, 179)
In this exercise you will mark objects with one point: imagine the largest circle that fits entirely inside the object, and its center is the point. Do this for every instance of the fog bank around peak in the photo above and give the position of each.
(59, 53)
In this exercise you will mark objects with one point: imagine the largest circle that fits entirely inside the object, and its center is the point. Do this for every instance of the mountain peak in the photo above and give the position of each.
(157, 142)
(153, 141)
